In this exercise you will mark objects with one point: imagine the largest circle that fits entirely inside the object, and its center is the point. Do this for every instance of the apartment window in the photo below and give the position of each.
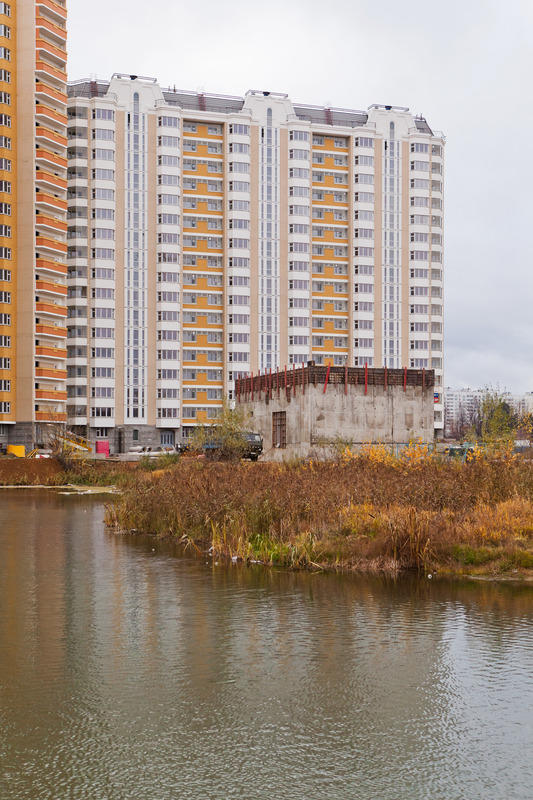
(168, 219)
(299, 136)
(239, 186)
(170, 122)
(103, 194)
(279, 429)
(5, 275)
(237, 129)
(103, 174)
(239, 205)
(5, 408)
(168, 180)
(108, 254)
(168, 141)
(168, 161)
(5, 363)
(5, 31)
(104, 134)
(168, 199)
(239, 147)
(298, 191)
(299, 172)
(242, 224)
(5, 9)
(103, 213)
(103, 233)
(239, 166)
(5, 98)
(364, 197)
(103, 154)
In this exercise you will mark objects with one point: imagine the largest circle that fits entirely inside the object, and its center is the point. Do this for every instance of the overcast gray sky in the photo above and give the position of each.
(465, 64)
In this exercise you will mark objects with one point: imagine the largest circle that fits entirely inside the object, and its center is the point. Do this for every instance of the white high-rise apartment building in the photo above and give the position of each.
(214, 236)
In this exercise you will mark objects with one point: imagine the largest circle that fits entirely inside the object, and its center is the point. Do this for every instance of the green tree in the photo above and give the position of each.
(498, 420)
(225, 438)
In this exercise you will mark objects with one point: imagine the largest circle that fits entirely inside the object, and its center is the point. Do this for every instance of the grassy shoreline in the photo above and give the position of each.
(366, 513)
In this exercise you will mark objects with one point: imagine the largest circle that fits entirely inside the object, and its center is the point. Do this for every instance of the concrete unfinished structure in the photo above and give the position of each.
(298, 411)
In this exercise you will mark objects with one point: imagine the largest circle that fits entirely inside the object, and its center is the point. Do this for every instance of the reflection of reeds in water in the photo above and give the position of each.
(363, 512)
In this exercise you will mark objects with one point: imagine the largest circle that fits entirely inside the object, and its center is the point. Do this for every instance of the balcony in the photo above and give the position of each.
(51, 288)
(51, 160)
(50, 394)
(55, 331)
(46, 114)
(45, 70)
(50, 266)
(44, 92)
(50, 416)
(43, 178)
(51, 308)
(47, 351)
(57, 54)
(44, 134)
(50, 246)
(55, 9)
(49, 372)
(52, 224)
(48, 200)
(56, 32)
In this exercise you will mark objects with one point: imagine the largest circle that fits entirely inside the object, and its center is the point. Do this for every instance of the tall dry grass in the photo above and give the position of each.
(366, 511)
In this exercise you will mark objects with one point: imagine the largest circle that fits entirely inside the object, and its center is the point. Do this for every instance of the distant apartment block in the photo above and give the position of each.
(33, 225)
(212, 237)
(462, 406)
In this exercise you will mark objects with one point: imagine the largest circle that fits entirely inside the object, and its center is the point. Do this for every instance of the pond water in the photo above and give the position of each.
(127, 671)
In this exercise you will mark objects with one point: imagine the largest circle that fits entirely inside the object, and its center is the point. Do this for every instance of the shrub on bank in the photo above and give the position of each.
(364, 511)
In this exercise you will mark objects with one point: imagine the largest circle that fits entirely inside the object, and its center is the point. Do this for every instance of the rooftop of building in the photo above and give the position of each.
(254, 386)
(227, 104)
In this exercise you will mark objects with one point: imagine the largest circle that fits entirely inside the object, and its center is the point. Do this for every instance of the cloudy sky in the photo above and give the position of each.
(465, 64)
